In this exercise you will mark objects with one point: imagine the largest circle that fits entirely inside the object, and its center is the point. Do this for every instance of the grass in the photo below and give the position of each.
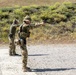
(4, 3)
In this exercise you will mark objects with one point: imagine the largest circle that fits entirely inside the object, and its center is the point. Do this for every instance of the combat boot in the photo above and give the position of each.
(27, 69)
(10, 54)
(14, 54)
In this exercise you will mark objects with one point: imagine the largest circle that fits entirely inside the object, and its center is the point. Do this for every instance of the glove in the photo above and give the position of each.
(10, 35)
(28, 35)
(17, 42)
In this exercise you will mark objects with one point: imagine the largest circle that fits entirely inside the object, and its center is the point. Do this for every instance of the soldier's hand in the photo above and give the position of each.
(39, 24)
(17, 42)
(42, 23)
(11, 35)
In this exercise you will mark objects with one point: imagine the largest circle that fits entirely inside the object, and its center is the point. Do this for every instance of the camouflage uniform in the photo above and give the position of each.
(23, 34)
(12, 37)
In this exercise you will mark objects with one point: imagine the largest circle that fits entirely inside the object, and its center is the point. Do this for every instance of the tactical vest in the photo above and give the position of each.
(24, 31)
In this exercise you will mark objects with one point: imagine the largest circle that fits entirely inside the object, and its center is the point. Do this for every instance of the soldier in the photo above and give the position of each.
(12, 37)
(23, 34)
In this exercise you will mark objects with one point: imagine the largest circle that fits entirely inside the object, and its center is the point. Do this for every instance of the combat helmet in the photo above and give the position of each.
(15, 21)
(27, 18)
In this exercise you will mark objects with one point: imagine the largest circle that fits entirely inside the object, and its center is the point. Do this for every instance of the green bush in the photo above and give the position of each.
(19, 12)
(7, 9)
(61, 18)
(55, 6)
(58, 17)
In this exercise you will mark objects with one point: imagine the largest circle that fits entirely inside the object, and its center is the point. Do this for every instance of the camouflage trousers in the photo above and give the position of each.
(11, 46)
(24, 56)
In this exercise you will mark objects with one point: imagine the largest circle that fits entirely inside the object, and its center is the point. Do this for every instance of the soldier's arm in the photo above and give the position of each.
(36, 25)
(39, 24)
(20, 30)
(11, 32)
(11, 29)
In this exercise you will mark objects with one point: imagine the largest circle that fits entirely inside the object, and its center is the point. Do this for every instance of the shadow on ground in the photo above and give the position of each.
(56, 69)
(38, 54)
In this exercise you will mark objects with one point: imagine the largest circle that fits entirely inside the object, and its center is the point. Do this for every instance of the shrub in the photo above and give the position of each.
(61, 18)
(19, 12)
(55, 6)
(58, 17)
(7, 9)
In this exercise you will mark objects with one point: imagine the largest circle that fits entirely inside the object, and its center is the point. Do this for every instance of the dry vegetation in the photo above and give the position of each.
(12, 3)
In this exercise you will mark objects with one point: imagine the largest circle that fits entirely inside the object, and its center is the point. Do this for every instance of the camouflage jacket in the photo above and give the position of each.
(12, 30)
(24, 30)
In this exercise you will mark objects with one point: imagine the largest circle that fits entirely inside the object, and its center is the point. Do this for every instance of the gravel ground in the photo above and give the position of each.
(52, 59)
(11, 65)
